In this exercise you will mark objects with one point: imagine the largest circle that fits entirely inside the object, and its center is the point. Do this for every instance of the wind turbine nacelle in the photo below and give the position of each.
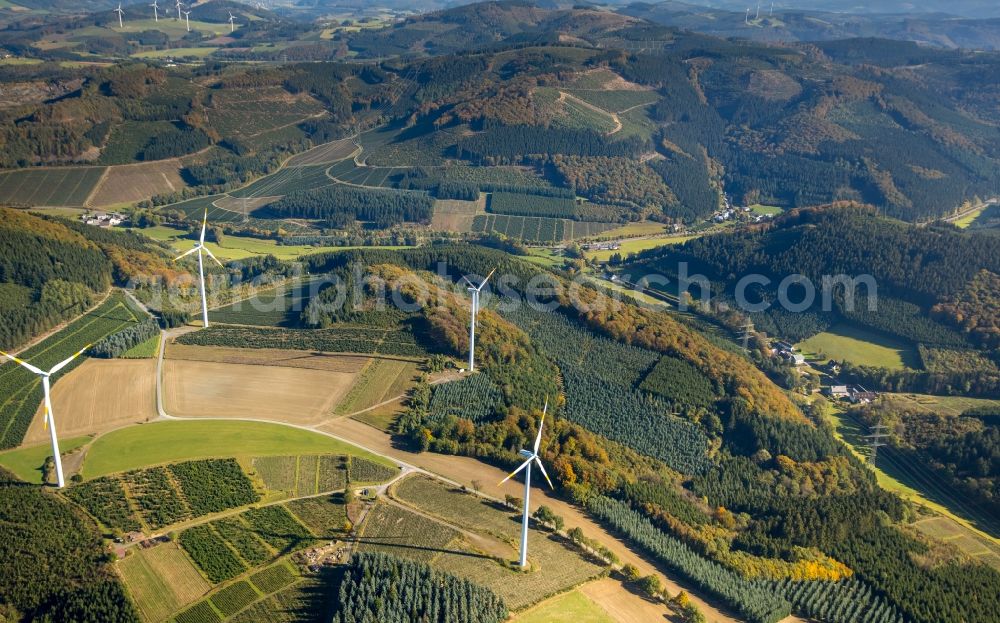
(528, 454)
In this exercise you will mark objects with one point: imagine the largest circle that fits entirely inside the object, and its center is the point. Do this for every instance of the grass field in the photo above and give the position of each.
(164, 442)
(161, 580)
(20, 391)
(860, 346)
(284, 394)
(637, 228)
(382, 379)
(571, 607)
(382, 417)
(146, 350)
(63, 186)
(635, 246)
(234, 247)
(26, 463)
(758, 208)
(130, 183)
(99, 395)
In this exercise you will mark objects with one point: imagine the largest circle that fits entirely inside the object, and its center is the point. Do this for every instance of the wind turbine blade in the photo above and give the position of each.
(514, 473)
(205, 249)
(204, 223)
(487, 279)
(59, 366)
(466, 280)
(22, 363)
(542, 467)
(188, 252)
(538, 438)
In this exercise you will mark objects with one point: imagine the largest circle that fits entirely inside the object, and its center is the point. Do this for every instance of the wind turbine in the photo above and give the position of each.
(179, 5)
(530, 456)
(474, 312)
(156, 13)
(48, 421)
(120, 13)
(187, 19)
(757, 15)
(746, 18)
(232, 26)
(200, 247)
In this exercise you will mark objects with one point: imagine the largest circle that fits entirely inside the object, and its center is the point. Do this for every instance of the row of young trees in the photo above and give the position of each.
(116, 344)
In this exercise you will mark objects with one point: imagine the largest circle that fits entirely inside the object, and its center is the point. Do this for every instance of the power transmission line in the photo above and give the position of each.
(874, 439)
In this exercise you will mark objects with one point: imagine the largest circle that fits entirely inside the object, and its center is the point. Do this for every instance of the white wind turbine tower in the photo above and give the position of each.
(156, 12)
(757, 15)
(179, 5)
(472, 321)
(48, 421)
(120, 13)
(746, 18)
(187, 19)
(232, 25)
(531, 456)
(200, 248)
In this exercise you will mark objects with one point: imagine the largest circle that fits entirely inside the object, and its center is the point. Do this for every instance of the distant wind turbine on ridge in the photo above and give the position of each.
(179, 5)
(472, 321)
(232, 25)
(48, 422)
(201, 248)
(187, 19)
(530, 457)
(120, 13)
(156, 13)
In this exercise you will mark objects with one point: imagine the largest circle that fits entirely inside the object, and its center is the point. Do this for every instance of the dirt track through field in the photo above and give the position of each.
(100, 395)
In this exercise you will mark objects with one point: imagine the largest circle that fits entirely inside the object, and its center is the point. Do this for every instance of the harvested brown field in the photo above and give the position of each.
(622, 605)
(129, 183)
(950, 531)
(456, 215)
(351, 364)
(100, 395)
(281, 394)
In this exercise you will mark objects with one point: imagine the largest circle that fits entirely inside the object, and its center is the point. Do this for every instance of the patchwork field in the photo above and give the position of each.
(168, 441)
(381, 380)
(293, 395)
(20, 390)
(555, 565)
(130, 183)
(327, 153)
(63, 186)
(457, 215)
(863, 347)
(950, 531)
(161, 580)
(99, 395)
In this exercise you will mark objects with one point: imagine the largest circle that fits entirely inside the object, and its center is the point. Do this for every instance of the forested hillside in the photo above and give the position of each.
(934, 287)
(728, 484)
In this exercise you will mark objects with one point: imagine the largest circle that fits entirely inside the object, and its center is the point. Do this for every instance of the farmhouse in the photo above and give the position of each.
(837, 391)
